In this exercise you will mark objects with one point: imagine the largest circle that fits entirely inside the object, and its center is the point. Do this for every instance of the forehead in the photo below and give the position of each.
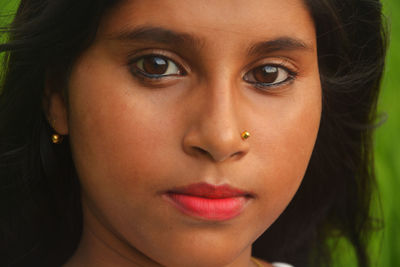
(216, 20)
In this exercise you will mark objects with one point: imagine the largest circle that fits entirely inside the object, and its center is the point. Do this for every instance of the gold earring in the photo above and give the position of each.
(56, 138)
(245, 135)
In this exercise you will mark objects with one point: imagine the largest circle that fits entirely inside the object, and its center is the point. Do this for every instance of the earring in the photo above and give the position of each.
(245, 135)
(55, 138)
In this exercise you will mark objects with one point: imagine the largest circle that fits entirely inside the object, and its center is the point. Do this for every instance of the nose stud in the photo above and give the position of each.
(245, 135)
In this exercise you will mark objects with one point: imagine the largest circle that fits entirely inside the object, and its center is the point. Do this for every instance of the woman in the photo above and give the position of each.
(177, 133)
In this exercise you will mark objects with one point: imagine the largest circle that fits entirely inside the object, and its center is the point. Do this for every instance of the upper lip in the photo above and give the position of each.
(209, 191)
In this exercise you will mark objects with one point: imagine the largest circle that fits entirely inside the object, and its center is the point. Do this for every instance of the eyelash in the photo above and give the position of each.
(141, 73)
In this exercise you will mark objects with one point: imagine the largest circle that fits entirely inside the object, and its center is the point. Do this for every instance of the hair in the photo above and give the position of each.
(41, 216)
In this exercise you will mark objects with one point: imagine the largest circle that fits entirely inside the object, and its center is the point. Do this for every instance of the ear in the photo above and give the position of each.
(55, 108)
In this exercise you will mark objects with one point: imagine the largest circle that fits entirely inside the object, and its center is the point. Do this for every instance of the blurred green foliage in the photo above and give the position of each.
(385, 246)
(387, 143)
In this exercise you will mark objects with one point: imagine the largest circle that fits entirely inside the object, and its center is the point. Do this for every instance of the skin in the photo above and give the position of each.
(133, 139)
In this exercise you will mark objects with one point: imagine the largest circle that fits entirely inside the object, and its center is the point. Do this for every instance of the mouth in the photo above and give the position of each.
(209, 202)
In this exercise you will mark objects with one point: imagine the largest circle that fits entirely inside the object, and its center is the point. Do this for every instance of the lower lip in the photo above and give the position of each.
(214, 209)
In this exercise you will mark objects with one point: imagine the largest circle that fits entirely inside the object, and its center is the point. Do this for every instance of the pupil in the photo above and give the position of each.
(266, 74)
(155, 65)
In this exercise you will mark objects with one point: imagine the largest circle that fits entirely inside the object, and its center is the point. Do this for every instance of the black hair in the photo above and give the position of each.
(41, 217)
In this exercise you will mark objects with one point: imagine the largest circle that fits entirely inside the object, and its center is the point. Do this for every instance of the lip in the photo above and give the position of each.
(209, 202)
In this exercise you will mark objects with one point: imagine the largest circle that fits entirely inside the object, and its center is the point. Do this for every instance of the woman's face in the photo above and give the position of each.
(157, 106)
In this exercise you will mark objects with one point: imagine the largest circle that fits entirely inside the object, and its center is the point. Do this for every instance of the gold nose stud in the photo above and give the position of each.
(245, 135)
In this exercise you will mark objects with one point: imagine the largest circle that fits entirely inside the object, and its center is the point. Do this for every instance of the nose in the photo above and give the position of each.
(215, 128)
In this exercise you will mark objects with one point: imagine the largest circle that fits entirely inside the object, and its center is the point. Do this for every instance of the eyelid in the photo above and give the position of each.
(282, 62)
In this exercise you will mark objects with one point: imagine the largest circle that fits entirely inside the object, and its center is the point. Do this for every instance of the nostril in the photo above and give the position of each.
(237, 154)
(201, 150)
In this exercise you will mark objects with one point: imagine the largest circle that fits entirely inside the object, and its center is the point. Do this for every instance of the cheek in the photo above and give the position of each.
(288, 138)
(113, 133)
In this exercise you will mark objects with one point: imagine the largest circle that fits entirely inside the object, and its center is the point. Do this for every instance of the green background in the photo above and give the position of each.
(385, 247)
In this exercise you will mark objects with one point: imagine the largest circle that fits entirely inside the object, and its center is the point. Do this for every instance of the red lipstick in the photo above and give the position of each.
(210, 202)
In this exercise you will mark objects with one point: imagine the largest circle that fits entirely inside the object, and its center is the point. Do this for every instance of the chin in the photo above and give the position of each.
(202, 252)
(209, 258)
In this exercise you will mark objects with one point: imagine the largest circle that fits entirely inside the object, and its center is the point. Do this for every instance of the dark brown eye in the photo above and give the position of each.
(156, 66)
(267, 75)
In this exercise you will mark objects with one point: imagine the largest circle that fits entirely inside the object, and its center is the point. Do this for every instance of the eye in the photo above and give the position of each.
(269, 75)
(156, 66)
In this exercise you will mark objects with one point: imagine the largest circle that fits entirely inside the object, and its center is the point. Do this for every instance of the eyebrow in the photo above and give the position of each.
(165, 36)
(158, 35)
(282, 43)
